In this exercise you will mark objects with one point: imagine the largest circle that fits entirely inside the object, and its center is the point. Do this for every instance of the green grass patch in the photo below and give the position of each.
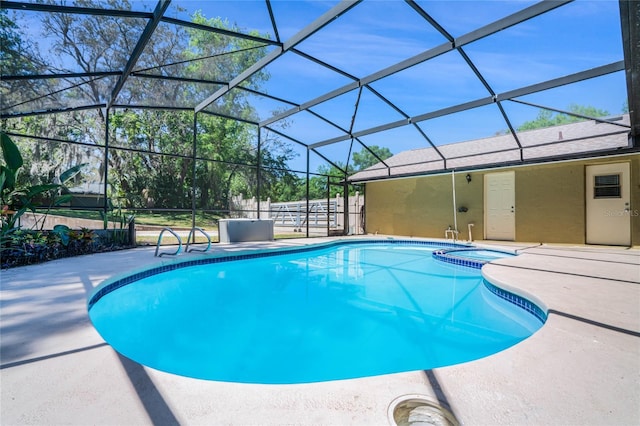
(172, 219)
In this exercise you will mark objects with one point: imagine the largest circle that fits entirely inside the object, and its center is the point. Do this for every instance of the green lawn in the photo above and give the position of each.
(175, 220)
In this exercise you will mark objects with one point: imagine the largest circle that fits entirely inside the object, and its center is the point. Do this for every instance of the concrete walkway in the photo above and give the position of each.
(581, 368)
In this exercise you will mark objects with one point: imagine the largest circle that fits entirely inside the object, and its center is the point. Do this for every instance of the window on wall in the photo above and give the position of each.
(607, 186)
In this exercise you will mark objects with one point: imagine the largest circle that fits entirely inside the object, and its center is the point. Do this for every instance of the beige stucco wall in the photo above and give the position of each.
(423, 207)
(550, 203)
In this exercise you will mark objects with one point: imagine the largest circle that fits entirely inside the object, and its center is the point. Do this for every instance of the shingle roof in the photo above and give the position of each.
(540, 144)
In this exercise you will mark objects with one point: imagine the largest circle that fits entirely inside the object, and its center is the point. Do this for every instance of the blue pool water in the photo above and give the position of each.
(338, 312)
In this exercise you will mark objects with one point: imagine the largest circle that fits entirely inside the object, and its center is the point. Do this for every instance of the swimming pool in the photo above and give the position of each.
(338, 311)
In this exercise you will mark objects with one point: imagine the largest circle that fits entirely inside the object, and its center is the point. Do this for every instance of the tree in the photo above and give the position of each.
(229, 143)
(147, 179)
(17, 56)
(331, 177)
(329, 182)
(547, 118)
(365, 159)
(82, 43)
(226, 149)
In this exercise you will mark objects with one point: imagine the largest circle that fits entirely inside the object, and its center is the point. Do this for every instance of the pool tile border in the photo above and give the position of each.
(519, 301)
(444, 256)
(447, 255)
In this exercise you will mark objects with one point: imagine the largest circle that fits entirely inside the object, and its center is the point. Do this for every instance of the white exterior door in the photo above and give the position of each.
(608, 204)
(500, 206)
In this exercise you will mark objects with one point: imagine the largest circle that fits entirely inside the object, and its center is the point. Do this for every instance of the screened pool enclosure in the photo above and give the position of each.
(197, 111)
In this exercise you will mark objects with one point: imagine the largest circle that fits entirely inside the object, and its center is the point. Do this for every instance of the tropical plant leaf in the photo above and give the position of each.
(9, 178)
(10, 152)
(69, 174)
(3, 179)
(63, 232)
(27, 203)
(14, 218)
(39, 189)
(20, 212)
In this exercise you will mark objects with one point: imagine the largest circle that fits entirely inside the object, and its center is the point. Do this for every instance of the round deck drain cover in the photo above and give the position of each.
(419, 410)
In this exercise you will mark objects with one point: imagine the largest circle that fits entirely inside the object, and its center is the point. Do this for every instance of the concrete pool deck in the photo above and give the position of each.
(582, 367)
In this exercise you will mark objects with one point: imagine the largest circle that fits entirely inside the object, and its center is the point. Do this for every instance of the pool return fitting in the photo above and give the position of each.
(179, 249)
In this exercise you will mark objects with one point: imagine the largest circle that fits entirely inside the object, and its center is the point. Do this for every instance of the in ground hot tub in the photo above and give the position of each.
(241, 230)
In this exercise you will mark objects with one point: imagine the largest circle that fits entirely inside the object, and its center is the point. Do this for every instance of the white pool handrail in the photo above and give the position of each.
(171, 231)
(202, 231)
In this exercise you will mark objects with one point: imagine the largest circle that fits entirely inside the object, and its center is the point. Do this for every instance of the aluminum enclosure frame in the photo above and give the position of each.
(630, 26)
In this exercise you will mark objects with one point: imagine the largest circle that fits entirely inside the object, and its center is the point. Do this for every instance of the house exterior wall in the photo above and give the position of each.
(550, 203)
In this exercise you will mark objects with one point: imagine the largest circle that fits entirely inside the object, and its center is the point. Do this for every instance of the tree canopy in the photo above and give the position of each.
(150, 160)
(366, 158)
(547, 118)
(332, 177)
